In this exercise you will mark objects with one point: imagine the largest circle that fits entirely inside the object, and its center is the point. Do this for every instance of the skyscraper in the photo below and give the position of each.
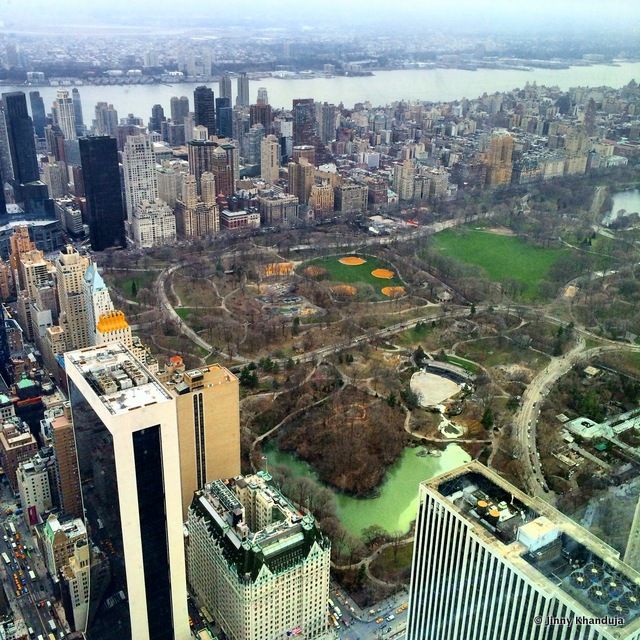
(157, 118)
(128, 456)
(70, 270)
(200, 158)
(204, 108)
(301, 176)
(101, 174)
(139, 171)
(305, 126)
(106, 122)
(491, 562)
(3, 201)
(5, 353)
(262, 96)
(64, 114)
(22, 144)
(251, 144)
(224, 117)
(77, 109)
(499, 158)
(207, 402)
(6, 168)
(223, 170)
(38, 113)
(242, 99)
(257, 563)
(261, 114)
(179, 109)
(225, 87)
(270, 159)
(68, 482)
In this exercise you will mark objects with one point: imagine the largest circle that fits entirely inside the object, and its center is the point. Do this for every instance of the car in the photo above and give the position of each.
(379, 620)
(390, 617)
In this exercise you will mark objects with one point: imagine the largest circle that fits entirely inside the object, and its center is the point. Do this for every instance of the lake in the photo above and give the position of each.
(395, 507)
(627, 200)
(382, 88)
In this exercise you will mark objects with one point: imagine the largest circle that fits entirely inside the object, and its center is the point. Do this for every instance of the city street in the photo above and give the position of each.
(25, 601)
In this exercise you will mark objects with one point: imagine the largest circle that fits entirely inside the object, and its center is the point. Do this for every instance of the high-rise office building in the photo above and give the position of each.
(67, 479)
(270, 159)
(106, 121)
(101, 176)
(128, 456)
(70, 270)
(491, 562)
(77, 109)
(200, 158)
(207, 402)
(139, 171)
(256, 562)
(242, 98)
(153, 224)
(261, 114)
(22, 144)
(251, 144)
(301, 177)
(327, 122)
(5, 352)
(222, 169)
(204, 108)
(224, 87)
(6, 167)
(157, 118)
(305, 126)
(262, 96)
(38, 113)
(224, 117)
(179, 109)
(3, 201)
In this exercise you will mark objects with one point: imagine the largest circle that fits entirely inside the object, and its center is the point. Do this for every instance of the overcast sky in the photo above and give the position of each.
(463, 14)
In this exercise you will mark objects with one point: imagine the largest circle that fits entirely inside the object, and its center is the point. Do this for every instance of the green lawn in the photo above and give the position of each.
(356, 274)
(124, 281)
(183, 312)
(471, 367)
(503, 258)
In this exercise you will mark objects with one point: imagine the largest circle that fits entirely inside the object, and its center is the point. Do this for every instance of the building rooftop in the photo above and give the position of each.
(118, 379)
(232, 509)
(560, 556)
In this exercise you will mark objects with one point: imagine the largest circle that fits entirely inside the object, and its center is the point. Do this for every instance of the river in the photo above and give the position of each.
(395, 507)
(627, 200)
(382, 88)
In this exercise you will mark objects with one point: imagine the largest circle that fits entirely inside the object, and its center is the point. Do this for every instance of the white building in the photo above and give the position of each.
(64, 114)
(491, 562)
(98, 300)
(59, 540)
(139, 170)
(126, 435)
(77, 576)
(256, 563)
(153, 224)
(34, 486)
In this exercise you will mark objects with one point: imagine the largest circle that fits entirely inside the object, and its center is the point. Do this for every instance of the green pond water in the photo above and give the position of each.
(396, 505)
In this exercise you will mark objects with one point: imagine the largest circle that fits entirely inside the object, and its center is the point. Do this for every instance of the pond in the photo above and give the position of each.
(395, 506)
(627, 200)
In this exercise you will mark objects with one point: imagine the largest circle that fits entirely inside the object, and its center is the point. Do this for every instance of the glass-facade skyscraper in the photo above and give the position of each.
(224, 117)
(38, 113)
(127, 447)
(101, 176)
(204, 108)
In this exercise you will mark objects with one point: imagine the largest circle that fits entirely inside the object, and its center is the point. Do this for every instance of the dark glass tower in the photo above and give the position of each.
(38, 113)
(22, 144)
(204, 108)
(157, 118)
(305, 126)
(224, 121)
(3, 202)
(101, 175)
(77, 110)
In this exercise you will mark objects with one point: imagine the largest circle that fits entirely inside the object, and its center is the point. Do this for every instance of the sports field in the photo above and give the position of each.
(502, 257)
(356, 273)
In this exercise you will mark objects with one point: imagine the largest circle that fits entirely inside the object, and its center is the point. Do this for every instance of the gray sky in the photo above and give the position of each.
(490, 14)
